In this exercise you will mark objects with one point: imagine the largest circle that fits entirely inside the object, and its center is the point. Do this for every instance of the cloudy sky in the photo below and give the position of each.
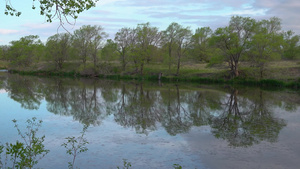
(116, 14)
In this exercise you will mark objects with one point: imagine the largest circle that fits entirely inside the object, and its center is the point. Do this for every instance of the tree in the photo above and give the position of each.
(169, 38)
(109, 51)
(183, 41)
(24, 51)
(51, 9)
(125, 38)
(266, 43)
(233, 40)
(58, 47)
(146, 36)
(4, 51)
(88, 41)
(291, 47)
(200, 45)
(96, 41)
(177, 39)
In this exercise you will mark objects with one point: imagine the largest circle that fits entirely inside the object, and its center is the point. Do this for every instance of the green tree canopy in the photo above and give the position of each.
(109, 51)
(125, 38)
(233, 40)
(291, 47)
(24, 51)
(266, 43)
(88, 41)
(200, 45)
(58, 48)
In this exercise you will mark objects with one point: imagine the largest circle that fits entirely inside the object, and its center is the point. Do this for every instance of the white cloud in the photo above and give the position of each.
(37, 25)
(106, 2)
(248, 12)
(8, 31)
(116, 14)
(287, 10)
(2, 91)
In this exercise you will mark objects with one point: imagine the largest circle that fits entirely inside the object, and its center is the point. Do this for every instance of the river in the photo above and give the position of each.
(154, 125)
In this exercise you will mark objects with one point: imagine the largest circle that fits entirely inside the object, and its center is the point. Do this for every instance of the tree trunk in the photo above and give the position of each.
(84, 61)
(178, 65)
(95, 61)
(123, 60)
(123, 63)
(236, 70)
(142, 68)
(170, 55)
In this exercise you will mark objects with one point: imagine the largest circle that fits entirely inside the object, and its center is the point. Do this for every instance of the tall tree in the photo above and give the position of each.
(291, 47)
(88, 41)
(109, 51)
(183, 41)
(233, 40)
(58, 47)
(169, 39)
(24, 51)
(4, 51)
(96, 42)
(200, 45)
(146, 37)
(176, 38)
(125, 39)
(266, 43)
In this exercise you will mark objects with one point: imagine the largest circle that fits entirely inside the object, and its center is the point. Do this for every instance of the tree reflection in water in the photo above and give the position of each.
(137, 109)
(25, 91)
(246, 123)
(242, 117)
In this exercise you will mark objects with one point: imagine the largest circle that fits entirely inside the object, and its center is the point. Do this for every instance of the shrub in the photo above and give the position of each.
(87, 70)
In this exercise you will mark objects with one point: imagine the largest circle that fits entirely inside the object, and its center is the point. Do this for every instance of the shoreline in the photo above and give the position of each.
(273, 83)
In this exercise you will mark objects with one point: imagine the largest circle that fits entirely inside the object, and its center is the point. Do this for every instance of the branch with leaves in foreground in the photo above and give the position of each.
(63, 10)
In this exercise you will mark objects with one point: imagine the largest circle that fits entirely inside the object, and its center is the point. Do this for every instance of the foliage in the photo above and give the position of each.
(177, 166)
(24, 51)
(233, 40)
(3, 52)
(76, 146)
(126, 165)
(183, 44)
(177, 40)
(1, 151)
(200, 44)
(169, 40)
(52, 9)
(87, 70)
(87, 41)
(58, 48)
(291, 47)
(28, 153)
(133, 50)
(266, 43)
(125, 38)
(146, 38)
(218, 58)
(109, 51)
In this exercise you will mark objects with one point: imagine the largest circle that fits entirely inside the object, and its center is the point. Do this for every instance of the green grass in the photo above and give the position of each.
(3, 64)
(278, 74)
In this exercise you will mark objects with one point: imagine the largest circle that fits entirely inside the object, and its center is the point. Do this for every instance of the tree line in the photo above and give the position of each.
(243, 39)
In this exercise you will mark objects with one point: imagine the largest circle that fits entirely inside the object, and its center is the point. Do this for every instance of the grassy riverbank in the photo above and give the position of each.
(278, 74)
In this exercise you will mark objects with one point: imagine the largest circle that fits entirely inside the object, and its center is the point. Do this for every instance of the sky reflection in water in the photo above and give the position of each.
(156, 126)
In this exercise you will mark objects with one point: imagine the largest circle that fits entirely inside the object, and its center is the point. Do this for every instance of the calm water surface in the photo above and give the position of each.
(155, 125)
